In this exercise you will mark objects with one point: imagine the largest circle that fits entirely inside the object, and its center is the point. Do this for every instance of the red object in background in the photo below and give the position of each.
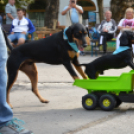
(49, 35)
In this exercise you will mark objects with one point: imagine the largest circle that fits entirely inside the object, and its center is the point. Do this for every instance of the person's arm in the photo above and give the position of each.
(11, 29)
(66, 9)
(99, 29)
(10, 16)
(31, 26)
(80, 10)
(120, 26)
(8, 12)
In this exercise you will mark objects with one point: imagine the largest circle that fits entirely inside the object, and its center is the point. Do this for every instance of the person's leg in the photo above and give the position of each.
(133, 48)
(5, 111)
(107, 37)
(7, 124)
(118, 41)
(21, 39)
(102, 41)
(12, 37)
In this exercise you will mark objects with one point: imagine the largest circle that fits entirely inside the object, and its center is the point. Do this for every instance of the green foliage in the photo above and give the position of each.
(85, 3)
(41, 4)
(18, 4)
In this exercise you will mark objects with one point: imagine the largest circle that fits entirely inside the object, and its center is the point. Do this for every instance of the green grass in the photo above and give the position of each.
(110, 47)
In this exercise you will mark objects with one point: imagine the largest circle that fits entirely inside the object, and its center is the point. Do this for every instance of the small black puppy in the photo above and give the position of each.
(113, 61)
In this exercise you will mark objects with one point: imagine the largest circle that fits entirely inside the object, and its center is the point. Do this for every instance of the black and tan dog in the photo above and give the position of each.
(51, 50)
(113, 61)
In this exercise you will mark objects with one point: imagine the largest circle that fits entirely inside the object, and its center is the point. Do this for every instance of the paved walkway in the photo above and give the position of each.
(64, 114)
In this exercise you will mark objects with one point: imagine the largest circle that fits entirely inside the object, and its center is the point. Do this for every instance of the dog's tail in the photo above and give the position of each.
(9, 46)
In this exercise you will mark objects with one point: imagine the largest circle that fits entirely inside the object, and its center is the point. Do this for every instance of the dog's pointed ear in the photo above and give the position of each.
(69, 34)
(124, 39)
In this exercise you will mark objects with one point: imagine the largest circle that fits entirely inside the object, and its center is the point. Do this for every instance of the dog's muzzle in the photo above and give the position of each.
(84, 42)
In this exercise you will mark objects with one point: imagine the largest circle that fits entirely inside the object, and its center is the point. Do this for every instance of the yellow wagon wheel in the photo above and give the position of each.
(89, 101)
(107, 102)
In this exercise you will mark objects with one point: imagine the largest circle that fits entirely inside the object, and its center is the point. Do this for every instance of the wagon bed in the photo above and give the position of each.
(114, 84)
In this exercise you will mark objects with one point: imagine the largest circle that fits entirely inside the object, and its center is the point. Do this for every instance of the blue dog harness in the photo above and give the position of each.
(73, 45)
(121, 49)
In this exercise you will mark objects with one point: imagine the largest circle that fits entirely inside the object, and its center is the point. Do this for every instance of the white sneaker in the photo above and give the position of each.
(14, 127)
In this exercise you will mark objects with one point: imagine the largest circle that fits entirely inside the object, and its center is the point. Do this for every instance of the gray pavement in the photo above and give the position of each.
(64, 114)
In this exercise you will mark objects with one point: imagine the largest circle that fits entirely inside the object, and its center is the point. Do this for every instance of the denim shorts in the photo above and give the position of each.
(16, 36)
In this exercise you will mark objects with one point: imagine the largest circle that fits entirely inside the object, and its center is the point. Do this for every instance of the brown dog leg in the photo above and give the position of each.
(79, 69)
(11, 80)
(32, 73)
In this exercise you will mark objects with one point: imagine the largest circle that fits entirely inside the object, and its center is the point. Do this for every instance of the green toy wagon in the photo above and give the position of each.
(107, 92)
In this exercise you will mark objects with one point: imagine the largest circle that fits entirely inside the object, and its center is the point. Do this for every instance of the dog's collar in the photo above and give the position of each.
(73, 45)
(121, 49)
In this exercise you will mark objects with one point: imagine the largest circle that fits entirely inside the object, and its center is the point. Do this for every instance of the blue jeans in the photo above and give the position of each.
(6, 113)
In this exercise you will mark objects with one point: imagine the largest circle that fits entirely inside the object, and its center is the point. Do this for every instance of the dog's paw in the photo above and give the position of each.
(44, 101)
(11, 106)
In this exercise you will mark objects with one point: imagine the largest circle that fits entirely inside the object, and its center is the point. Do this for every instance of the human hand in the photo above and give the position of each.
(12, 32)
(127, 26)
(24, 33)
(69, 7)
(105, 30)
(132, 28)
(73, 5)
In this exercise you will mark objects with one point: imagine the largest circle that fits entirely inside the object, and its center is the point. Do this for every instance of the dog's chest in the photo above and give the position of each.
(73, 54)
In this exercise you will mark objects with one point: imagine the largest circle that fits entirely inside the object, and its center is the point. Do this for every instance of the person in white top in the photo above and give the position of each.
(126, 23)
(107, 28)
(20, 27)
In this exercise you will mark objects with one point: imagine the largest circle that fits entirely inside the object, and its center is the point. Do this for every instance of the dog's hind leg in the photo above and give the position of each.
(12, 76)
(31, 71)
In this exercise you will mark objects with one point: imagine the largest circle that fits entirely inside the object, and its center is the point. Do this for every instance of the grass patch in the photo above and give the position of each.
(111, 46)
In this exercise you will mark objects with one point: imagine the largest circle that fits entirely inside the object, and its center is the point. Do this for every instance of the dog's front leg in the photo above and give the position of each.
(78, 68)
(70, 69)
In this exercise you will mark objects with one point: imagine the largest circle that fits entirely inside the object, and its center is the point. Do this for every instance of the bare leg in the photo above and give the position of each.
(20, 42)
(31, 72)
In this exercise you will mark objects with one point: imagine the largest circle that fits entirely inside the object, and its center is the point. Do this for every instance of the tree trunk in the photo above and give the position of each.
(52, 11)
(118, 8)
(100, 6)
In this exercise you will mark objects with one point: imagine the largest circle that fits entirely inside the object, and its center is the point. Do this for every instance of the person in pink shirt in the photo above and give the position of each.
(127, 23)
